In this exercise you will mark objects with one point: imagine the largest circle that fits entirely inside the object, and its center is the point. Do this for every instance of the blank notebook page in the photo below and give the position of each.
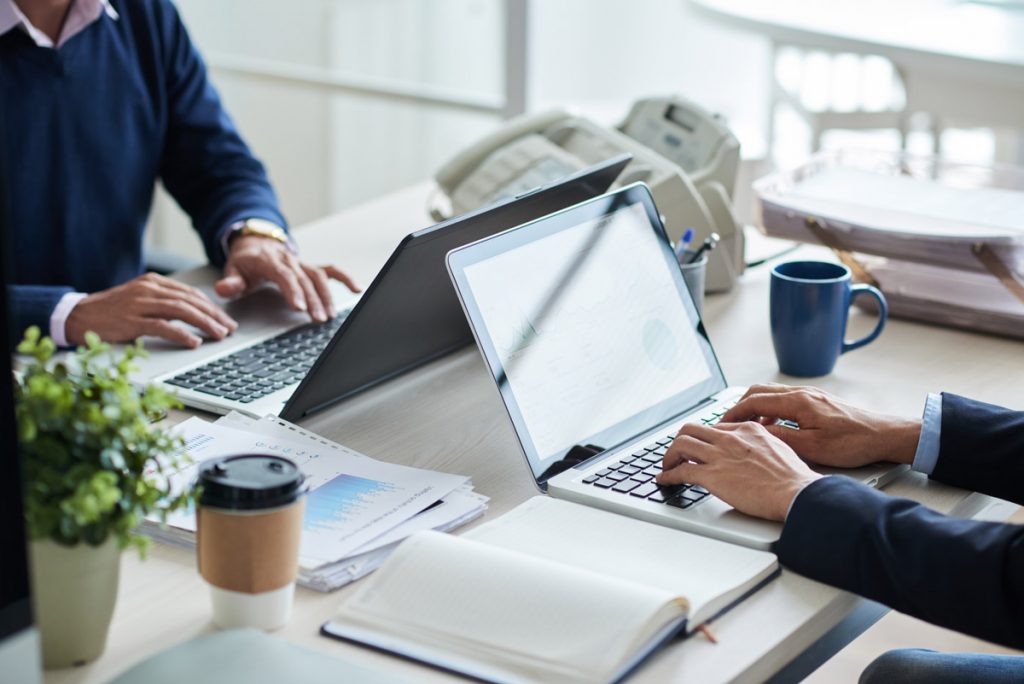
(676, 562)
(445, 592)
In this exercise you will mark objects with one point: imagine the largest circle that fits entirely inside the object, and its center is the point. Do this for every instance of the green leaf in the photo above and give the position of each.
(88, 444)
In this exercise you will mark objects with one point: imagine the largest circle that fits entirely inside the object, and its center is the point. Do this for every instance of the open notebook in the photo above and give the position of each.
(551, 591)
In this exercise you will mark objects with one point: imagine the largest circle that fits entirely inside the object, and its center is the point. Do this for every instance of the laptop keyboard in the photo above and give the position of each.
(634, 475)
(254, 372)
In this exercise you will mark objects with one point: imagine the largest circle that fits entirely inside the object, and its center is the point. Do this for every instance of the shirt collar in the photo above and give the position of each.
(81, 14)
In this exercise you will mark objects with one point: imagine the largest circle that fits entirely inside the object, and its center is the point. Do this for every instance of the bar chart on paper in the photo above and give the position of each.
(341, 499)
(357, 508)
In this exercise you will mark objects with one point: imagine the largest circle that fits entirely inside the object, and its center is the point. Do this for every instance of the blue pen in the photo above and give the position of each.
(684, 243)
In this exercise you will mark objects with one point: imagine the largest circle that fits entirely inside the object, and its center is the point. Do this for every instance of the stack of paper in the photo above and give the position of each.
(879, 211)
(358, 508)
(952, 235)
(961, 299)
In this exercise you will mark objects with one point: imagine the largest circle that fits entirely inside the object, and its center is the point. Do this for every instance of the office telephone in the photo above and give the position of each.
(686, 156)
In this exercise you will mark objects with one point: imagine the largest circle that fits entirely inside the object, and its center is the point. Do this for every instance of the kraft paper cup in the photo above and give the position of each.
(249, 525)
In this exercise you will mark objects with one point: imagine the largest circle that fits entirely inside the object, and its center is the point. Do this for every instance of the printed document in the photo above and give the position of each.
(353, 499)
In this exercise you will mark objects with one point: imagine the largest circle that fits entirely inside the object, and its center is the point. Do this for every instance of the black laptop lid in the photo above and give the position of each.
(409, 314)
(587, 326)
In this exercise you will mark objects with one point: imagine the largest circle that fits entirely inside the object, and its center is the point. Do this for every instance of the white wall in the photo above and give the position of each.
(379, 145)
(325, 152)
(601, 55)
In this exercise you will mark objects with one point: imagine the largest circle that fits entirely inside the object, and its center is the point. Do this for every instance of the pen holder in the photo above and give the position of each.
(693, 274)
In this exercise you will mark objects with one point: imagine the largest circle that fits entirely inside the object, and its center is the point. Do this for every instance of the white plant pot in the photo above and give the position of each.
(74, 589)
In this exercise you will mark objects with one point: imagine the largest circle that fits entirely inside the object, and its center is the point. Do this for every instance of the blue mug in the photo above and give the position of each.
(810, 303)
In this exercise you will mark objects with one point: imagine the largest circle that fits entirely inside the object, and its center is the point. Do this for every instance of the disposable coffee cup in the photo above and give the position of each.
(694, 274)
(249, 522)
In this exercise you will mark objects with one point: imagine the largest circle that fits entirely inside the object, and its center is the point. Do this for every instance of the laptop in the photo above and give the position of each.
(597, 350)
(279, 363)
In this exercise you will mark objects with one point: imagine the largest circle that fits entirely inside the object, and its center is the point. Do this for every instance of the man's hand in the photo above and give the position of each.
(145, 306)
(740, 463)
(253, 259)
(832, 432)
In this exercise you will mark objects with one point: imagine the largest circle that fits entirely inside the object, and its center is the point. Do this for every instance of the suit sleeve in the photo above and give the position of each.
(961, 574)
(981, 448)
(206, 166)
(33, 305)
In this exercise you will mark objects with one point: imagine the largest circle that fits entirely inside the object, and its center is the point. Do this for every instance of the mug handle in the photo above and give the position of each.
(883, 314)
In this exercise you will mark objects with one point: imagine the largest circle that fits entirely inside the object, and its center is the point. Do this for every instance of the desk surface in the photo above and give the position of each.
(448, 416)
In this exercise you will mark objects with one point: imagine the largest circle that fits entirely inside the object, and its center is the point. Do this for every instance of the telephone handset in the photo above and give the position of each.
(685, 155)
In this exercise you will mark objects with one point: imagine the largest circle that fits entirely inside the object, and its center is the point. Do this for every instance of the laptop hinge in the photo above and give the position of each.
(574, 458)
(657, 428)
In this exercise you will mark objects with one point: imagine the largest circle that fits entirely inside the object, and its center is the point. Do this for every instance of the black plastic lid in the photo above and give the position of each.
(249, 482)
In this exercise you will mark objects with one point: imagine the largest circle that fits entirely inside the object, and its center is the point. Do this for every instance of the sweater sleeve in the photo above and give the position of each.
(33, 305)
(963, 574)
(206, 166)
(981, 448)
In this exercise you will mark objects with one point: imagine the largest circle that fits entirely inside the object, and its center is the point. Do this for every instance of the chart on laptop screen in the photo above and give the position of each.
(588, 326)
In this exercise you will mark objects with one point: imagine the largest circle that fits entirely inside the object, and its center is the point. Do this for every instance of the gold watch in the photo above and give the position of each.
(263, 228)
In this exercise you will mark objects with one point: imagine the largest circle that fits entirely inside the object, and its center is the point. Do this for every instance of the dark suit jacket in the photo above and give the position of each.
(961, 574)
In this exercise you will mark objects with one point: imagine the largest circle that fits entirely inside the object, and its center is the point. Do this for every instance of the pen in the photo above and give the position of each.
(684, 243)
(708, 634)
(709, 244)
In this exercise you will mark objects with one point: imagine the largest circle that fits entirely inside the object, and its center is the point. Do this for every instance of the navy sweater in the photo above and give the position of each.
(90, 128)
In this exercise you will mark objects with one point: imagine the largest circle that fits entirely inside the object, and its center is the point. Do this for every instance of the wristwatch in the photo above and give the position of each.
(262, 228)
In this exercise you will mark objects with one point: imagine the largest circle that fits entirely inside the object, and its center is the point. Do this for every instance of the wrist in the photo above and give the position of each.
(239, 243)
(900, 435)
(243, 232)
(76, 324)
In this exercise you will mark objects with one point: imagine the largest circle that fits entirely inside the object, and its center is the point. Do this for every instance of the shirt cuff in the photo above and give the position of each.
(225, 238)
(59, 317)
(928, 445)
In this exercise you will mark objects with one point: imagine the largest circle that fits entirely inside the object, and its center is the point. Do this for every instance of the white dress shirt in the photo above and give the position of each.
(81, 14)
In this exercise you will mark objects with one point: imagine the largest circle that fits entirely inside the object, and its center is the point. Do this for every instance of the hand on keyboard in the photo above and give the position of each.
(741, 463)
(253, 260)
(146, 305)
(831, 432)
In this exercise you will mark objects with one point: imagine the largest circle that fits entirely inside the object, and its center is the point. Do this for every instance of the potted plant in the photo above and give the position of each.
(93, 467)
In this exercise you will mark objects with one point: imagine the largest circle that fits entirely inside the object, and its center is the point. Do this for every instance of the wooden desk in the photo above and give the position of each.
(448, 416)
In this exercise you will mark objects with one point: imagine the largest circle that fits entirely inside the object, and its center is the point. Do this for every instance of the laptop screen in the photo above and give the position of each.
(586, 324)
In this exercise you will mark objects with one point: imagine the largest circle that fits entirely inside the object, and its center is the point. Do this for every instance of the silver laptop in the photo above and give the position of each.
(585, 322)
(255, 370)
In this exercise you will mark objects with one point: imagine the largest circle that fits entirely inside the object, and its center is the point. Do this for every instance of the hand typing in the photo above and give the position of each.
(146, 306)
(254, 259)
(832, 432)
(740, 463)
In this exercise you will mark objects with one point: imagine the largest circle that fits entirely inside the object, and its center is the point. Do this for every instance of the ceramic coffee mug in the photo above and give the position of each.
(810, 304)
